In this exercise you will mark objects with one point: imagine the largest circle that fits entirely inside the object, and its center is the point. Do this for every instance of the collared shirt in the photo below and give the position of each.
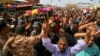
(90, 51)
(70, 51)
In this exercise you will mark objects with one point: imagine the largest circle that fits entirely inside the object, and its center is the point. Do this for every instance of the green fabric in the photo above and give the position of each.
(92, 51)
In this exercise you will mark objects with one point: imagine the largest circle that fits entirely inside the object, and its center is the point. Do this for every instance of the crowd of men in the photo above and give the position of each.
(69, 32)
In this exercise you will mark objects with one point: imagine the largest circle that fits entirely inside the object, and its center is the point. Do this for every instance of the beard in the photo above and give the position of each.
(90, 45)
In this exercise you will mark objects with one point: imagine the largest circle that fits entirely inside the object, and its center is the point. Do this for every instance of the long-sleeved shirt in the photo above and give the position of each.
(70, 51)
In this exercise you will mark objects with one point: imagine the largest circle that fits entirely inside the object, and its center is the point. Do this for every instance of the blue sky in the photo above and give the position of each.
(64, 2)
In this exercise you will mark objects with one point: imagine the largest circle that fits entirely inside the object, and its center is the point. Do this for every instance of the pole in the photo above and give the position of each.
(51, 1)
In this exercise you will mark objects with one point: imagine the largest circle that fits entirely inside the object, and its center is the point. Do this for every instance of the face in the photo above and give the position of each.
(62, 44)
(90, 43)
(75, 28)
(59, 13)
(62, 32)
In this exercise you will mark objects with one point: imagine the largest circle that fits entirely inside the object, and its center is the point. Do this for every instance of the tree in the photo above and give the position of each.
(48, 5)
(71, 5)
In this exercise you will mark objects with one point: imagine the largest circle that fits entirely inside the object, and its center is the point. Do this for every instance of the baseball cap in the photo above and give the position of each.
(36, 24)
(20, 29)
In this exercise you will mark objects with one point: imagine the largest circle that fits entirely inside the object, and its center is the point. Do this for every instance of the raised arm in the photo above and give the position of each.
(46, 41)
(79, 35)
(5, 49)
(82, 44)
(8, 42)
(84, 26)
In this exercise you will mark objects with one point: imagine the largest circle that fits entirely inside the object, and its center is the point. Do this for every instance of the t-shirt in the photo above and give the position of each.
(92, 51)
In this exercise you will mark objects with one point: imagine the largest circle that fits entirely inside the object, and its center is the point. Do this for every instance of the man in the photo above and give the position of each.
(21, 45)
(4, 30)
(62, 48)
(97, 39)
(37, 28)
(92, 50)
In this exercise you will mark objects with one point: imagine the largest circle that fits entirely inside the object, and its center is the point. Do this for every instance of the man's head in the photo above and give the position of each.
(62, 31)
(91, 41)
(59, 13)
(37, 26)
(20, 29)
(4, 28)
(62, 44)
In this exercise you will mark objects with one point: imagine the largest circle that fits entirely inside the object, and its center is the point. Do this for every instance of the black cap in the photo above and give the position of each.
(20, 29)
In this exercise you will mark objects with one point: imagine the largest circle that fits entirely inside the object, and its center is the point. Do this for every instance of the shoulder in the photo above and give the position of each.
(95, 46)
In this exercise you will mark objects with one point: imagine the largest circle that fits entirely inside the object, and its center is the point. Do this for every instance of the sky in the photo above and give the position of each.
(64, 2)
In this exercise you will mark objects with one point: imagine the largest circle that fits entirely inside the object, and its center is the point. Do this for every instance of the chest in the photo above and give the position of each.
(66, 53)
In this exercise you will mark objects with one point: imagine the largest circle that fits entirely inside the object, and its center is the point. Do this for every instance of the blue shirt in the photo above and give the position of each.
(70, 51)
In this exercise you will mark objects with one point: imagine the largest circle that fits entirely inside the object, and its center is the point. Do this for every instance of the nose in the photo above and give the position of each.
(62, 46)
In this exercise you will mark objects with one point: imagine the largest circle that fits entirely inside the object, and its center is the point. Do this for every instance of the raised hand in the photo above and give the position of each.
(93, 30)
(45, 28)
(90, 32)
(51, 20)
(97, 34)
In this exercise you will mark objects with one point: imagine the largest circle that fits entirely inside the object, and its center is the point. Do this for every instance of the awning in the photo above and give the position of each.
(21, 0)
(24, 5)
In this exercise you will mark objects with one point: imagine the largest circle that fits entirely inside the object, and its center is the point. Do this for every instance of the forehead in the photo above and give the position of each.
(63, 40)
(61, 29)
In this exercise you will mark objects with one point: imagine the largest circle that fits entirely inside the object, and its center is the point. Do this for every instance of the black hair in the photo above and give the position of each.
(64, 28)
(20, 29)
(2, 25)
(64, 38)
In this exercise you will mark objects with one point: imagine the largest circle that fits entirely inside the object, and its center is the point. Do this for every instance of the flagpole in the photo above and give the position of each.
(51, 1)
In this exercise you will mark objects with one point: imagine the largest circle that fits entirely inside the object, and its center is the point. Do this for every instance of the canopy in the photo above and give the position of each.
(21, 0)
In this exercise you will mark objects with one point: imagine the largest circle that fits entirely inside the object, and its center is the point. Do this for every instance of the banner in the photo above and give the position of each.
(33, 1)
(7, 1)
(40, 17)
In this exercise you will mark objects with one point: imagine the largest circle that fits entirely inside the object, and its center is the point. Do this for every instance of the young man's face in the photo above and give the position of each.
(62, 44)
(61, 32)
(91, 41)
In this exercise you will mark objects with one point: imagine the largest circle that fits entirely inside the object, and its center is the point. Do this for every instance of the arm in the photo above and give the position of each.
(8, 42)
(84, 26)
(97, 34)
(78, 35)
(28, 26)
(46, 41)
(82, 44)
(5, 50)
(48, 45)
(36, 39)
